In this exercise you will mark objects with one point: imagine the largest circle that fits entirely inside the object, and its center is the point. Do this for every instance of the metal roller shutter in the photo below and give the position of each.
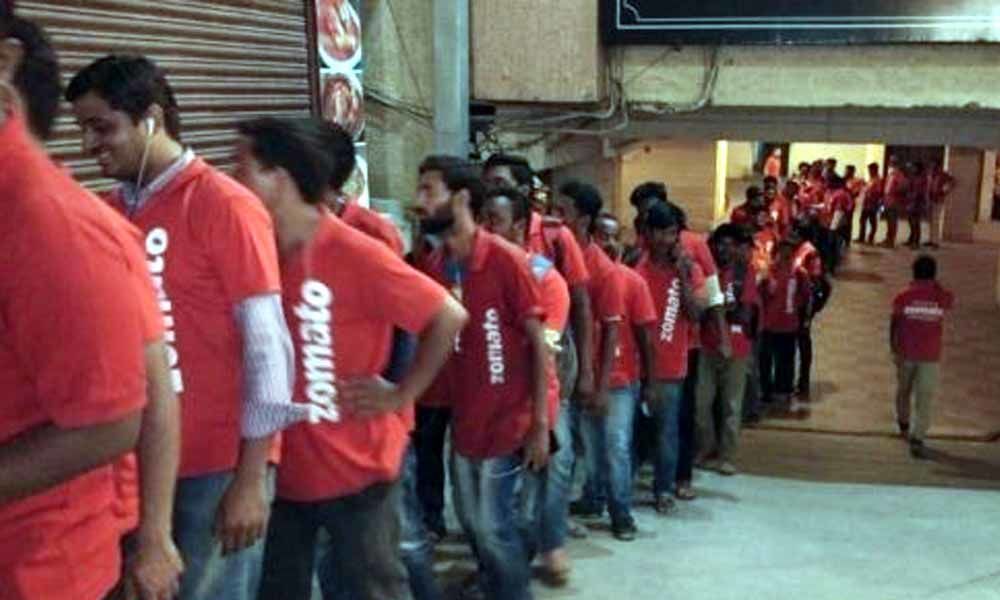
(226, 60)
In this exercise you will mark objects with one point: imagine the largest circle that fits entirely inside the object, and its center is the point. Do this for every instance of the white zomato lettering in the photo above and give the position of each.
(924, 311)
(671, 311)
(316, 350)
(494, 347)
(157, 242)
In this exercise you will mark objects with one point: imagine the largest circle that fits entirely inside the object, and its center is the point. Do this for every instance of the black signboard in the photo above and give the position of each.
(799, 21)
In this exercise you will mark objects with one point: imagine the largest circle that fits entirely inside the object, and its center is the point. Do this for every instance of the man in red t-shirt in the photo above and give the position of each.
(837, 206)
(340, 471)
(745, 214)
(722, 380)
(152, 560)
(210, 248)
(917, 202)
(673, 277)
(916, 332)
(609, 481)
(894, 200)
(785, 296)
(939, 186)
(871, 204)
(550, 237)
(506, 213)
(500, 426)
(72, 332)
(772, 166)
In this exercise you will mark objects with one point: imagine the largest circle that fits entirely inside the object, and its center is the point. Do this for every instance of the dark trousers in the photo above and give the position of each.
(685, 456)
(805, 342)
(777, 363)
(364, 557)
(869, 225)
(892, 225)
(429, 439)
(846, 230)
(915, 218)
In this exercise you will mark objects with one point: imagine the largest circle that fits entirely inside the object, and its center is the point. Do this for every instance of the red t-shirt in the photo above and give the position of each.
(839, 200)
(374, 225)
(786, 294)
(551, 238)
(343, 330)
(919, 310)
(781, 214)
(71, 355)
(896, 189)
(209, 245)
(555, 303)
(808, 260)
(491, 389)
(607, 294)
(937, 184)
(741, 215)
(673, 329)
(738, 336)
(639, 312)
(873, 193)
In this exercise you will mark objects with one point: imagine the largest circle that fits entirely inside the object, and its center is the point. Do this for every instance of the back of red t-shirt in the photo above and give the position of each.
(639, 312)
(919, 312)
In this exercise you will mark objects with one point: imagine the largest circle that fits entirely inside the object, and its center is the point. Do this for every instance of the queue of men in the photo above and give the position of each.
(238, 388)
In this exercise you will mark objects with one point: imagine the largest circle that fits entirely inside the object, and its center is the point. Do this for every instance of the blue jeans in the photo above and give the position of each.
(487, 496)
(207, 574)
(416, 550)
(608, 451)
(666, 418)
(546, 497)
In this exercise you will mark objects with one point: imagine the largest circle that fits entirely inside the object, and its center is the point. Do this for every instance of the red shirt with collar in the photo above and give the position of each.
(374, 225)
(874, 191)
(555, 304)
(639, 312)
(344, 293)
(786, 294)
(607, 294)
(209, 245)
(673, 328)
(739, 336)
(551, 238)
(491, 389)
(919, 311)
(71, 355)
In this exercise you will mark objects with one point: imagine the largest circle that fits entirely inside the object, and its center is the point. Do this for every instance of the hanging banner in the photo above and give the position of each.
(340, 79)
(799, 22)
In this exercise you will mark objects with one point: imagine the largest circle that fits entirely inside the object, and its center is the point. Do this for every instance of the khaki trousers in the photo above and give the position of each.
(917, 381)
(937, 221)
(722, 380)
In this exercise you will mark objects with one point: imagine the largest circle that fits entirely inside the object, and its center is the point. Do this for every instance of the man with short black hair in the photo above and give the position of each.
(500, 423)
(673, 278)
(340, 471)
(915, 336)
(210, 247)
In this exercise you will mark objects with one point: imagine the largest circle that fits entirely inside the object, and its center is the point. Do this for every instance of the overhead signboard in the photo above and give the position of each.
(799, 22)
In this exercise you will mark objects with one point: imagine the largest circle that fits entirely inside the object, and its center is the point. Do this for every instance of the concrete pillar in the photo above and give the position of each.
(986, 186)
(966, 165)
(451, 77)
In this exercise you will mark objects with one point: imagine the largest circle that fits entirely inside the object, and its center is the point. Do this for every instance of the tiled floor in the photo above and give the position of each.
(853, 376)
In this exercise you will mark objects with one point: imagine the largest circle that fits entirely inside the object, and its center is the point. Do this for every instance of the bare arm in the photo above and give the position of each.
(537, 447)
(156, 569)
(47, 455)
(581, 315)
(646, 351)
(374, 395)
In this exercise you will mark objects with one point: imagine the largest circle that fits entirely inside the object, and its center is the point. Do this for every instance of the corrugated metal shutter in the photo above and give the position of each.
(226, 60)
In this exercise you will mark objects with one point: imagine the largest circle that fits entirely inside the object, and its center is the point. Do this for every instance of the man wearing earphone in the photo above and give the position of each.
(210, 248)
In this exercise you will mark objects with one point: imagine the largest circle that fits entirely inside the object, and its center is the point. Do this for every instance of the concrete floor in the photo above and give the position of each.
(813, 516)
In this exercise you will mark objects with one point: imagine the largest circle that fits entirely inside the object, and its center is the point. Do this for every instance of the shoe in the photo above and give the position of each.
(918, 450)
(664, 505)
(727, 468)
(904, 428)
(624, 530)
(585, 509)
(436, 531)
(555, 569)
(577, 531)
(685, 492)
